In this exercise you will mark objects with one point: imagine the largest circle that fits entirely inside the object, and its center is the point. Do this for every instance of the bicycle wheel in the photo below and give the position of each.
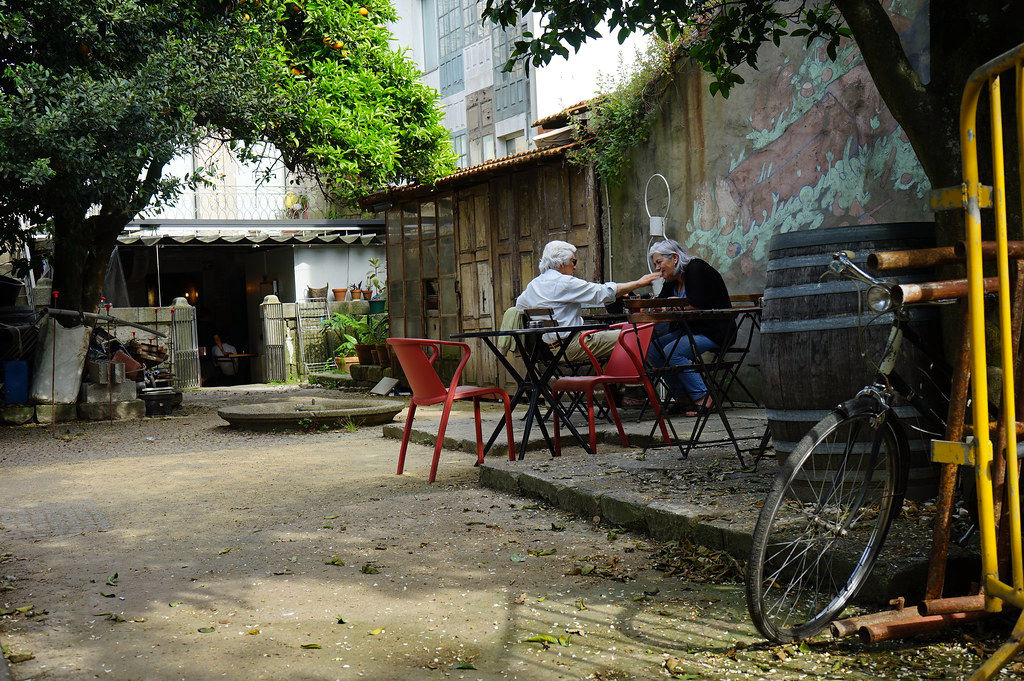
(824, 521)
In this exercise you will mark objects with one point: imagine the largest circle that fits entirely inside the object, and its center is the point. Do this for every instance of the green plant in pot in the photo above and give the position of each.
(378, 286)
(378, 330)
(349, 329)
(345, 352)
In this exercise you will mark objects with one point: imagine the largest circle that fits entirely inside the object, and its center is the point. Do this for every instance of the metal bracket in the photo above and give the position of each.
(960, 453)
(955, 198)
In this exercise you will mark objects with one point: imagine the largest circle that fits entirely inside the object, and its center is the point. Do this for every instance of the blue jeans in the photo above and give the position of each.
(685, 383)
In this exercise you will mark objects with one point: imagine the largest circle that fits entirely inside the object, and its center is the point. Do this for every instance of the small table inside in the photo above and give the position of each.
(668, 310)
(539, 367)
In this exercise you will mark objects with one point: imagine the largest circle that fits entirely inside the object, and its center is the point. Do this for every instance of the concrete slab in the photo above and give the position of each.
(99, 393)
(112, 411)
(309, 412)
(16, 414)
(59, 413)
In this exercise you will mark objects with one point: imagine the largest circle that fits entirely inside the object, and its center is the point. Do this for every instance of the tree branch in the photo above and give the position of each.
(906, 96)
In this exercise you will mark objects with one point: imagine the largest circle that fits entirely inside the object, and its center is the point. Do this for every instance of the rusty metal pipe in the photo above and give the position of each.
(1015, 249)
(947, 606)
(937, 290)
(851, 625)
(947, 478)
(875, 633)
(918, 257)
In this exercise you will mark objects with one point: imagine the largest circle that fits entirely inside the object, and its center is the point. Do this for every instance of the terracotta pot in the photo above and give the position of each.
(383, 355)
(340, 293)
(365, 353)
(344, 363)
(367, 294)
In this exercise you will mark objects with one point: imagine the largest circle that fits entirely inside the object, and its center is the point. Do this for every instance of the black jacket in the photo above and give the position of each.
(705, 290)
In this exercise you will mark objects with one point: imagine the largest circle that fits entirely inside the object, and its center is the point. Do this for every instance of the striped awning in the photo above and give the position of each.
(297, 238)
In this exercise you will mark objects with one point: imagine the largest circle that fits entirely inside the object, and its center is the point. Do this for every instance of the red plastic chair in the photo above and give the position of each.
(427, 388)
(625, 366)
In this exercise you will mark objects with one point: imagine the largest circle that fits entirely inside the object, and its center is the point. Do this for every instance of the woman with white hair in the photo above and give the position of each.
(688, 277)
(564, 294)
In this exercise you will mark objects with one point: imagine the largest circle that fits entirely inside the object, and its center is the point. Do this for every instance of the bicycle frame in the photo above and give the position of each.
(888, 382)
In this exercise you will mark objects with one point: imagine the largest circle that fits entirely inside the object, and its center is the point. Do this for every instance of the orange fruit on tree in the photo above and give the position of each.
(344, 53)
(364, 11)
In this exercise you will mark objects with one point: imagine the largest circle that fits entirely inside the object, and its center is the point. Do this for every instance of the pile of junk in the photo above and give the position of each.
(61, 365)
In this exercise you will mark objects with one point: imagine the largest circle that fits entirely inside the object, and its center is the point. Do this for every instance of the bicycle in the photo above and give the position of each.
(833, 502)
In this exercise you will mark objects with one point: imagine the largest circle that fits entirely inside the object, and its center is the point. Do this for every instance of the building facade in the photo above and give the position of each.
(490, 111)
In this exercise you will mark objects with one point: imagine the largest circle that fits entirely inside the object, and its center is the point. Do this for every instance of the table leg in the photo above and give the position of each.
(545, 389)
(521, 387)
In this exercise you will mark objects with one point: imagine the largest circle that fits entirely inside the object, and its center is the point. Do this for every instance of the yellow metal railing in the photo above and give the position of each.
(996, 591)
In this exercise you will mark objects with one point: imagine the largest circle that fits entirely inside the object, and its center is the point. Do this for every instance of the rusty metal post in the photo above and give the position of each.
(1015, 249)
(938, 290)
(875, 633)
(946, 606)
(918, 257)
(947, 478)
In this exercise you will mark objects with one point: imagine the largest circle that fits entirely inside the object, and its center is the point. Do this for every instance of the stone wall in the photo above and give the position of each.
(805, 143)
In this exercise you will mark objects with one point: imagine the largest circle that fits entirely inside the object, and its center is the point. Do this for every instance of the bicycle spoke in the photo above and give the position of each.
(822, 525)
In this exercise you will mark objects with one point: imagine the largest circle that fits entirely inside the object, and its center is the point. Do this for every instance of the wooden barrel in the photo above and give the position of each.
(814, 331)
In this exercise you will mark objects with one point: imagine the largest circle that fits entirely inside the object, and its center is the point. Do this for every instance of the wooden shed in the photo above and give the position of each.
(459, 252)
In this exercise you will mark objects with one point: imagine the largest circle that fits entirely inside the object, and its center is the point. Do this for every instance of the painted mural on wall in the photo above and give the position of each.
(822, 151)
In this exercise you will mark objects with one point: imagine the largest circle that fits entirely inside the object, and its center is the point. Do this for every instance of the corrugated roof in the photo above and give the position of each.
(512, 162)
(561, 118)
(246, 239)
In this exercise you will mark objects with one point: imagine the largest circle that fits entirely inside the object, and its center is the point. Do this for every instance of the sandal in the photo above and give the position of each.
(702, 406)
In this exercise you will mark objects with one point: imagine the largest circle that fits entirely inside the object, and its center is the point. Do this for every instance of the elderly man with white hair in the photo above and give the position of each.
(556, 288)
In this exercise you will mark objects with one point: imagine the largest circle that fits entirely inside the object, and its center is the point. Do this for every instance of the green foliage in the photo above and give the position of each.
(377, 328)
(97, 96)
(720, 36)
(621, 116)
(374, 277)
(357, 328)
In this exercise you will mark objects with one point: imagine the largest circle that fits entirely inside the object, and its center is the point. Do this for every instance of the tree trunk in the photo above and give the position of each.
(81, 252)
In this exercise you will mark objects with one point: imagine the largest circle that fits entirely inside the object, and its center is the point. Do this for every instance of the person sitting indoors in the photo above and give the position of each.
(564, 294)
(688, 277)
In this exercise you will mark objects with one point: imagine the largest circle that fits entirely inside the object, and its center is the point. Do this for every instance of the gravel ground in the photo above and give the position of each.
(177, 548)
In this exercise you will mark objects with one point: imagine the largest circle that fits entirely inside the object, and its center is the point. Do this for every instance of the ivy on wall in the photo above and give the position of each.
(620, 117)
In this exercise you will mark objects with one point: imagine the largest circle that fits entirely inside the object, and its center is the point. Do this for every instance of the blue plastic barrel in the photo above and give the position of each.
(15, 382)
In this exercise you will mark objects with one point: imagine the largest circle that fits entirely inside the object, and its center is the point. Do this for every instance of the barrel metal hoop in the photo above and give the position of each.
(820, 260)
(827, 287)
(849, 321)
(814, 415)
(843, 235)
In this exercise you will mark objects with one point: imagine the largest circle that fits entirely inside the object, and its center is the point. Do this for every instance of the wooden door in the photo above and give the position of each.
(476, 280)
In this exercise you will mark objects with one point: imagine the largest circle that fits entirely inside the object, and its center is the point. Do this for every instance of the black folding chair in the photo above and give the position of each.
(545, 317)
(717, 368)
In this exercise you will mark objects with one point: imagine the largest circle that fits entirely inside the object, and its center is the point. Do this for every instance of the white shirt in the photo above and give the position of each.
(565, 295)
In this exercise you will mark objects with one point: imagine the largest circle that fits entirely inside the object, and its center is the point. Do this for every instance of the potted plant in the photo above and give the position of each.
(378, 287)
(357, 290)
(351, 329)
(377, 331)
(343, 357)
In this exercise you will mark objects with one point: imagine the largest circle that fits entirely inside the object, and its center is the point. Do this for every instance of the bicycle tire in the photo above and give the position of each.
(821, 528)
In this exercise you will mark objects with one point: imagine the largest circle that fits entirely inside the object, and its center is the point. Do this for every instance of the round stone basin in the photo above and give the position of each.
(307, 412)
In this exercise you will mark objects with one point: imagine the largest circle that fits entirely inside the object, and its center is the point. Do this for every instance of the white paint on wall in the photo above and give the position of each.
(332, 266)
(478, 66)
(408, 31)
